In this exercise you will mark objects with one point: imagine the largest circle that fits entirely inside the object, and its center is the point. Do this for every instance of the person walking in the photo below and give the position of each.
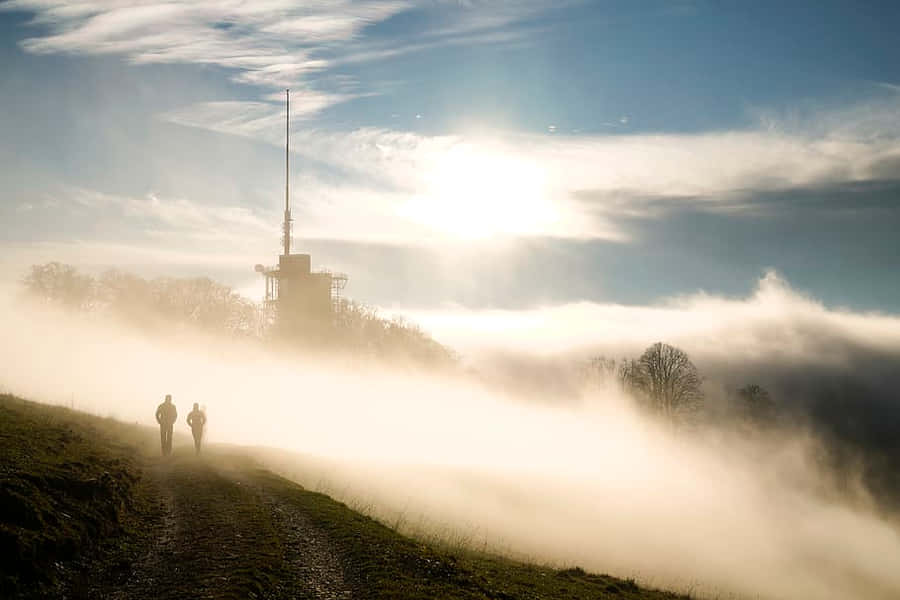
(197, 420)
(166, 415)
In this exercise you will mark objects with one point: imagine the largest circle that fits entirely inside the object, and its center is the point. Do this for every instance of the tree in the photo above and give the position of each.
(600, 370)
(606, 371)
(56, 282)
(199, 302)
(361, 328)
(756, 405)
(669, 381)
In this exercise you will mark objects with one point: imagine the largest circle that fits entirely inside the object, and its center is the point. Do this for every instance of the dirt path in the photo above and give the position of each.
(153, 568)
(308, 553)
(223, 532)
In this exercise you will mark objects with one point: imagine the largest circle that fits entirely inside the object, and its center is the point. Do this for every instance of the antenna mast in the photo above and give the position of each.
(287, 172)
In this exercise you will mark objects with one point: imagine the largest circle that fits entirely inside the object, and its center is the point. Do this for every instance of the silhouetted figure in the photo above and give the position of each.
(197, 420)
(166, 415)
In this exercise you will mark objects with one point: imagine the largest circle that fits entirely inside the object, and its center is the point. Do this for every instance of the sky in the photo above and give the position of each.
(467, 154)
(531, 181)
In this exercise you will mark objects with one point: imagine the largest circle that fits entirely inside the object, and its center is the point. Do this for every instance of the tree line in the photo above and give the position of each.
(205, 305)
(665, 382)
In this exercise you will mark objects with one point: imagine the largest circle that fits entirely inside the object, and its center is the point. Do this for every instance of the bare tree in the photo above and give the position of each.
(199, 302)
(669, 381)
(56, 282)
(606, 371)
(361, 328)
(600, 370)
(628, 374)
(756, 405)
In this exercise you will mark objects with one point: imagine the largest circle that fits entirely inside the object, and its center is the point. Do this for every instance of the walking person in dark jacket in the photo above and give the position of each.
(197, 420)
(166, 415)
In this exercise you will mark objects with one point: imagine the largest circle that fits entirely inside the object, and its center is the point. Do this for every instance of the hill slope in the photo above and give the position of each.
(88, 509)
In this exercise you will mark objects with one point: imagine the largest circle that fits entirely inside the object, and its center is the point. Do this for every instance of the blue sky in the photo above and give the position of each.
(477, 154)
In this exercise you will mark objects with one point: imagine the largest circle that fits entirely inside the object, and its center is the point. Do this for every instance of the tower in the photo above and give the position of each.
(298, 300)
(286, 228)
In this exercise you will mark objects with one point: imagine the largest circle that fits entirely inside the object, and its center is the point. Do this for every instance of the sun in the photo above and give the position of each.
(471, 193)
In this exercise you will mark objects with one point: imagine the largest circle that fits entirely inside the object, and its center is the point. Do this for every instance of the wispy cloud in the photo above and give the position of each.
(271, 43)
(153, 234)
(424, 188)
(277, 36)
(583, 182)
(403, 188)
(376, 51)
(471, 22)
(173, 219)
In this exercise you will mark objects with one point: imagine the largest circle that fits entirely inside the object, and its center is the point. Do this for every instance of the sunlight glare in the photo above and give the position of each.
(474, 194)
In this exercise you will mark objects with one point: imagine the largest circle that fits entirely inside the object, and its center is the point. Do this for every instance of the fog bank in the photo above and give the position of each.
(586, 481)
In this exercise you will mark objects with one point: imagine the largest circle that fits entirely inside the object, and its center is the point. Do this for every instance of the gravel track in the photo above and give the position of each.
(223, 533)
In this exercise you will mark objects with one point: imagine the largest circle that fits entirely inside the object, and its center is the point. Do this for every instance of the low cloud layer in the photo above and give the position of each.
(775, 323)
(829, 368)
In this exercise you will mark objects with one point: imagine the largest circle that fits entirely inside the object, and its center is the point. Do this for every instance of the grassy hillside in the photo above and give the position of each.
(70, 487)
(87, 509)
